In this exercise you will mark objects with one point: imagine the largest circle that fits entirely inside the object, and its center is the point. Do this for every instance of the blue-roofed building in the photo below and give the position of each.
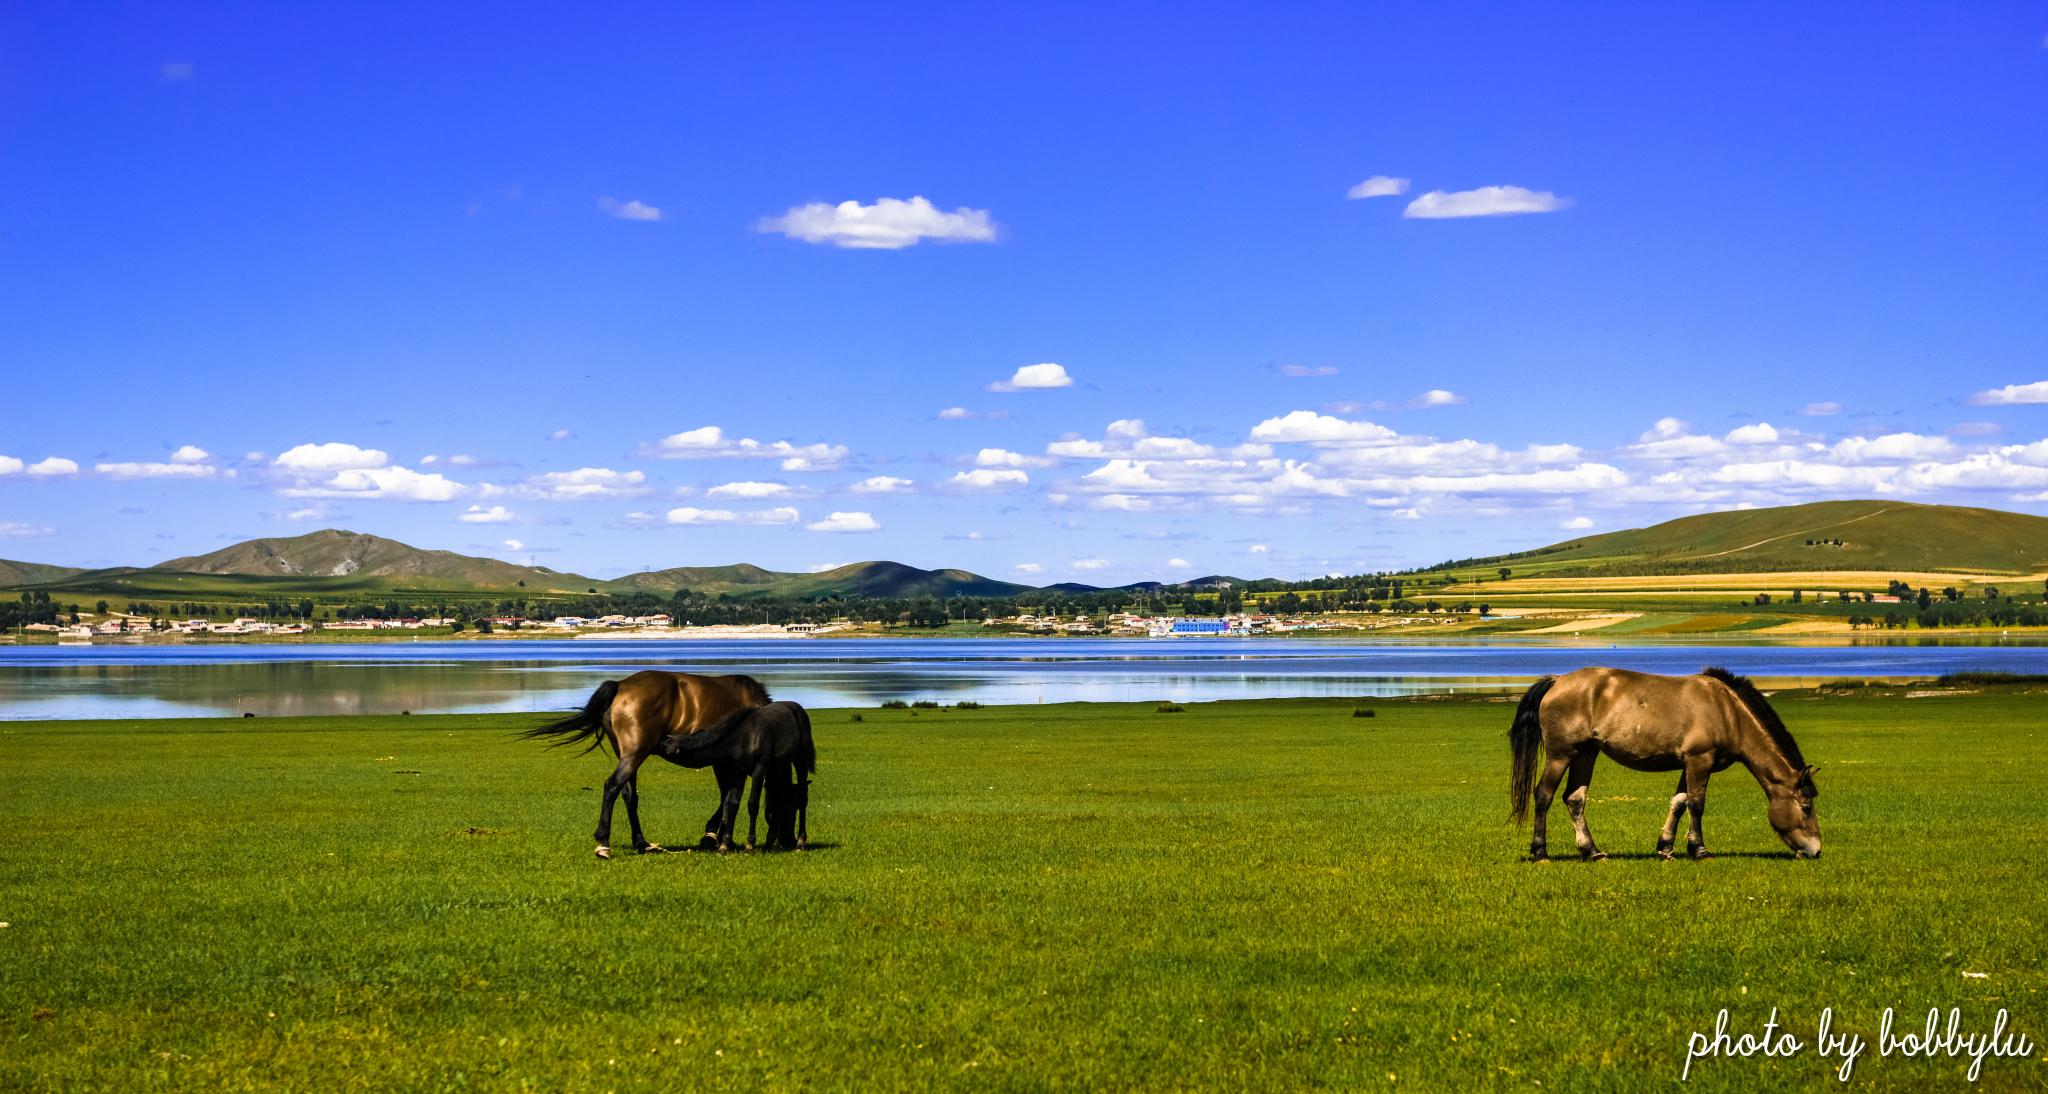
(1196, 627)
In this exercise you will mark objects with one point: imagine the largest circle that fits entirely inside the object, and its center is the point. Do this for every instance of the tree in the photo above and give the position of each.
(1485, 610)
(1504, 572)
(100, 608)
(1925, 599)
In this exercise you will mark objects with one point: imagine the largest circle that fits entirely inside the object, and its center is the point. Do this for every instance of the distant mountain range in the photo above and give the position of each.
(1875, 535)
(337, 561)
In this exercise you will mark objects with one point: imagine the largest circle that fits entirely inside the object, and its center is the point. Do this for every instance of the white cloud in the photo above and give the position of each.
(1892, 446)
(888, 224)
(330, 457)
(1819, 410)
(1425, 401)
(315, 512)
(1304, 370)
(1577, 524)
(846, 522)
(998, 457)
(823, 567)
(190, 454)
(376, 484)
(10, 466)
(984, 537)
(962, 414)
(1760, 433)
(631, 210)
(561, 435)
(1028, 568)
(984, 480)
(17, 530)
(688, 516)
(882, 484)
(710, 443)
(1088, 564)
(459, 461)
(157, 470)
(2011, 395)
(758, 490)
(582, 484)
(514, 545)
(1487, 201)
(496, 514)
(1260, 549)
(1406, 514)
(1378, 186)
(1128, 437)
(1178, 564)
(1977, 429)
(1306, 426)
(54, 465)
(1044, 377)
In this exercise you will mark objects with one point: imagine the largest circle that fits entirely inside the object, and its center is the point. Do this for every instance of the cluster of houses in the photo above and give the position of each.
(1124, 623)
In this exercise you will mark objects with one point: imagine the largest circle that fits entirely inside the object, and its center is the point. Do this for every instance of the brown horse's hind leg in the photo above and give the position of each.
(620, 782)
(1697, 768)
(1669, 833)
(1580, 779)
(1546, 788)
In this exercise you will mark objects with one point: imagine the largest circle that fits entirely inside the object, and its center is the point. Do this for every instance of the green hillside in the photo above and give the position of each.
(874, 579)
(1876, 535)
(34, 573)
(337, 563)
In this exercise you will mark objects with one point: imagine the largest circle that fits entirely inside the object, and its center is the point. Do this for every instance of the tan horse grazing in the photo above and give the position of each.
(635, 715)
(1695, 725)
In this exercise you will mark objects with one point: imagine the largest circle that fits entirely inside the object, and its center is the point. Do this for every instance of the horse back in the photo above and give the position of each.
(653, 704)
(1643, 720)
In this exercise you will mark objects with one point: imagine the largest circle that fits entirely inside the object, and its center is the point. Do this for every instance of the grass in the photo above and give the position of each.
(1250, 896)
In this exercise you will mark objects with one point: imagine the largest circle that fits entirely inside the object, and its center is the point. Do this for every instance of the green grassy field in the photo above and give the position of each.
(1247, 896)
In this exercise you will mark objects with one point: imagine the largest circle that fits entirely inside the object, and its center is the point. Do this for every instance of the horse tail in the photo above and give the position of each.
(1525, 736)
(805, 761)
(588, 722)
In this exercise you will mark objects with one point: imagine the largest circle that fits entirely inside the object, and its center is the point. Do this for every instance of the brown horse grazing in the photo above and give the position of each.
(635, 715)
(1695, 725)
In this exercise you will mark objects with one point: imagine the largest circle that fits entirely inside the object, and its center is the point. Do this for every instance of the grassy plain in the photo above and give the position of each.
(1268, 895)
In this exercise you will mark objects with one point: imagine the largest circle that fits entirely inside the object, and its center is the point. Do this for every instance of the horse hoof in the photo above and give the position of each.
(603, 851)
(1701, 855)
(1542, 860)
(1667, 856)
(653, 849)
(1597, 856)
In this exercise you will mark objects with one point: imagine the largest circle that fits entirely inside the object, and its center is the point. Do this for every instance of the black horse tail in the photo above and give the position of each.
(588, 722)
(1526, 738)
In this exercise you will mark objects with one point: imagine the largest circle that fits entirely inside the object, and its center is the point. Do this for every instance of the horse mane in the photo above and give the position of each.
(1760, 708)
(750, 689)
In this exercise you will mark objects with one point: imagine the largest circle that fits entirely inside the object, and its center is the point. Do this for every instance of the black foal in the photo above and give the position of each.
(766, 744)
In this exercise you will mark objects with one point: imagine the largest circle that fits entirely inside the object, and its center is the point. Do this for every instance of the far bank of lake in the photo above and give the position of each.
(302, 677)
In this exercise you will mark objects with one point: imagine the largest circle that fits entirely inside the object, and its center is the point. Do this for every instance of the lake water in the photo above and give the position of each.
(427, 677)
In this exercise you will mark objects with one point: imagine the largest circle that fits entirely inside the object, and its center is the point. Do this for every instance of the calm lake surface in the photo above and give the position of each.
(444, 677)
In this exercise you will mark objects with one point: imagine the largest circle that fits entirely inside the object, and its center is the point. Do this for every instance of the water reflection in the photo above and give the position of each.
(185, 681)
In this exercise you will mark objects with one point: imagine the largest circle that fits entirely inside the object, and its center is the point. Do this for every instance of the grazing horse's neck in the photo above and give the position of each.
(1765, 760)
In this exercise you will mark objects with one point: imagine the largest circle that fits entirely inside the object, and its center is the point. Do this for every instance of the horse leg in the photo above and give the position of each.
(615, 784)
(1697, 769)
(1581, 779)
(1539, 845)
(754, 803)
(730, 784)
(632, 796)
(1669, 833)
(803, 808)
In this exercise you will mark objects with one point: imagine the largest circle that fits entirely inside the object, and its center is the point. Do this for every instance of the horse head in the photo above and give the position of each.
(1793, 816)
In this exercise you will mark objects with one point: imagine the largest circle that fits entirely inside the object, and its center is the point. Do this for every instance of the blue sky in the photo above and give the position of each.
(579, 284)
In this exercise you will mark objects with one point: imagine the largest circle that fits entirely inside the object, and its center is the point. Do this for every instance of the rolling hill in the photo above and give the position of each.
(337, 562)
(33, 573)
(1875, 535)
